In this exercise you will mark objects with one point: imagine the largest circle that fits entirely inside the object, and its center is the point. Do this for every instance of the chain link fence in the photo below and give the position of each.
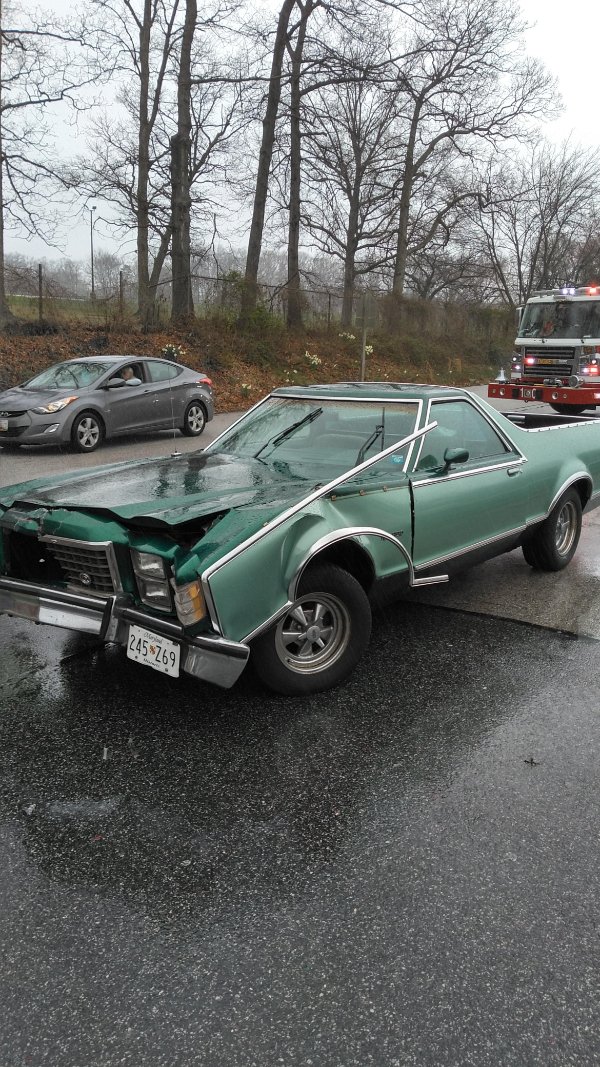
(37, 296)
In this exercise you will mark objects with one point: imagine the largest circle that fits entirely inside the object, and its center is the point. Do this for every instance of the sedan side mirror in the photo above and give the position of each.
(455, 455)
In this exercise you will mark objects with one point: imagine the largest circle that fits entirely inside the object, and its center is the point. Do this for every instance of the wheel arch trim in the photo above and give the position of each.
(338, 537)
(580, 478)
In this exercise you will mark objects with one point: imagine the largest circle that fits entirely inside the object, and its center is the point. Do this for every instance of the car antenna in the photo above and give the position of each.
(176, 451)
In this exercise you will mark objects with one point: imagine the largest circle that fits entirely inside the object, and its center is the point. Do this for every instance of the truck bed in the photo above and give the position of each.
(534, 420)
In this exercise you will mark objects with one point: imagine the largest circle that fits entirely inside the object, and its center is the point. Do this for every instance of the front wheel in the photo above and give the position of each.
(321, 637)
(568, 409)
(194, 419)
(553, 544)
(87, 432)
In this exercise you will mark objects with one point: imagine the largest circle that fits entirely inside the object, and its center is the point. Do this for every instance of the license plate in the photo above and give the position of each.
(153, 650)
(547, 362)
(3, 425)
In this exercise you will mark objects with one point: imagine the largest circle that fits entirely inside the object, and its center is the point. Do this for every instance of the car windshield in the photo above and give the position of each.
(561, 319)
(302, 432)
(69, 375)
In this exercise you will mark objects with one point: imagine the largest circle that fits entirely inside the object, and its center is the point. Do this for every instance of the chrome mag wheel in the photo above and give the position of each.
(314, 633)
(320, 638)
(567, 526)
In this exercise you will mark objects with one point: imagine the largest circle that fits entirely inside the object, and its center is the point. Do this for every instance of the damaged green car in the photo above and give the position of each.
(272, 541)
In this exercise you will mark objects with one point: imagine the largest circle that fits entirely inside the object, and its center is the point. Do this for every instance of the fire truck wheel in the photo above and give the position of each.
(568, 409)
(553, 544)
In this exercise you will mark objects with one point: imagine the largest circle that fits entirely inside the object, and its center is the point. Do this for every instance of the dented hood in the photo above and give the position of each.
(170, 491)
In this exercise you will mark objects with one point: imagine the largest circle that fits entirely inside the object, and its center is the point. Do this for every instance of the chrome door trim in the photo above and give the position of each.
(455, 474)
(507, 534)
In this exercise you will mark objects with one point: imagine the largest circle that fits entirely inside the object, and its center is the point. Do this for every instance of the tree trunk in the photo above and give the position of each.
(145, 298)
(294, 303)
(182, 309)
(249, 294)
(7, 318)
(350, 254)
(405, 199)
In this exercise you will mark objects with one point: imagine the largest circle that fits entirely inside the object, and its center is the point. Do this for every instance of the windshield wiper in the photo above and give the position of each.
(289, 430)
(377, 432)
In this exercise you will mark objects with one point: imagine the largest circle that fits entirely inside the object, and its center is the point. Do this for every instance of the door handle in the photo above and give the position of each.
(512, 471)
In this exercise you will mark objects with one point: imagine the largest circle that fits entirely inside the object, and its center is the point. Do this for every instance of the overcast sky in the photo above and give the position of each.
(564, 36)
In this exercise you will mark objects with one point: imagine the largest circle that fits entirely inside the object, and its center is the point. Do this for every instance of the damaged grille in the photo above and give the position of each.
(52, 560)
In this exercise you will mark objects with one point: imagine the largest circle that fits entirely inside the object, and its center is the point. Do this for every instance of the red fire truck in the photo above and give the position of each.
(557, 351)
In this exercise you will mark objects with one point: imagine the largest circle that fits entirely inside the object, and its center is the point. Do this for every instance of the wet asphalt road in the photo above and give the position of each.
(400, 872)
(403, 871)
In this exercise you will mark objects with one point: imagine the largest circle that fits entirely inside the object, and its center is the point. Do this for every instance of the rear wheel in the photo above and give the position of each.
(321, 637)
(87, 432)
(194, 419)
(568, 409)
(553, 544)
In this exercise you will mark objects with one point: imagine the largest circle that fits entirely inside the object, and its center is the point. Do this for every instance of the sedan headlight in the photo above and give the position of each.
(152, 581)
(190, 604)
(56, 405)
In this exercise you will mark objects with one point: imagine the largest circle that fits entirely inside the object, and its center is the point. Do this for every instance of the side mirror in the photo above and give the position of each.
(115, 383)
(455, 455)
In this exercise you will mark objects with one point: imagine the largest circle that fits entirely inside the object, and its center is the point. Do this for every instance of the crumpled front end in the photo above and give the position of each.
(92, 587)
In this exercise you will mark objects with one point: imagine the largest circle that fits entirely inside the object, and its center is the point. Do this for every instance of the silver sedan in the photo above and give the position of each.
(83, 401)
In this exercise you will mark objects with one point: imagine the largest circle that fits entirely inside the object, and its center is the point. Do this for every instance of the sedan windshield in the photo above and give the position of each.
(69, 375)
(337, 433)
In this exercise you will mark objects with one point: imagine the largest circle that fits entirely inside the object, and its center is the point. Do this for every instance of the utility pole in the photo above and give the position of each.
(92, 209)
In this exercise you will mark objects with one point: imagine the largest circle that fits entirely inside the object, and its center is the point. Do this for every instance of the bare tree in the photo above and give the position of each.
(176, 118)
(182, 306)
(536, 219)
(140, 36)
(202, 137)
(467, 83)
(295, 48)
(42, 63)
(265, 157)
(352, 142)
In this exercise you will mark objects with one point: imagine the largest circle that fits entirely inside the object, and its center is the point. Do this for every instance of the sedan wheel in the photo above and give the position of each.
(321, 637)
(194, 419)
(87, 432)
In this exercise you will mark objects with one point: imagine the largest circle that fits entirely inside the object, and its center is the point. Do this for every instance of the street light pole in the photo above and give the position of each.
(92, 209)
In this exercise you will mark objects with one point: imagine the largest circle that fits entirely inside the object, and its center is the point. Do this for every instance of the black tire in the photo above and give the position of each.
(194, 419)
(553, 544)
(568, 409)
(320, 639)
(87, 432)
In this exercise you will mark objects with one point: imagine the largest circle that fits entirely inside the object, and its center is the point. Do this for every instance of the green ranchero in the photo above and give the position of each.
(272, 540)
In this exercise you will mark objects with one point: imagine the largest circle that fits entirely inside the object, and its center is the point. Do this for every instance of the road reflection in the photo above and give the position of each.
(173, 797)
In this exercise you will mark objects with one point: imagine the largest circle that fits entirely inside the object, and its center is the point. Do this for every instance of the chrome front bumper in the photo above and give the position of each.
(206, 656)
